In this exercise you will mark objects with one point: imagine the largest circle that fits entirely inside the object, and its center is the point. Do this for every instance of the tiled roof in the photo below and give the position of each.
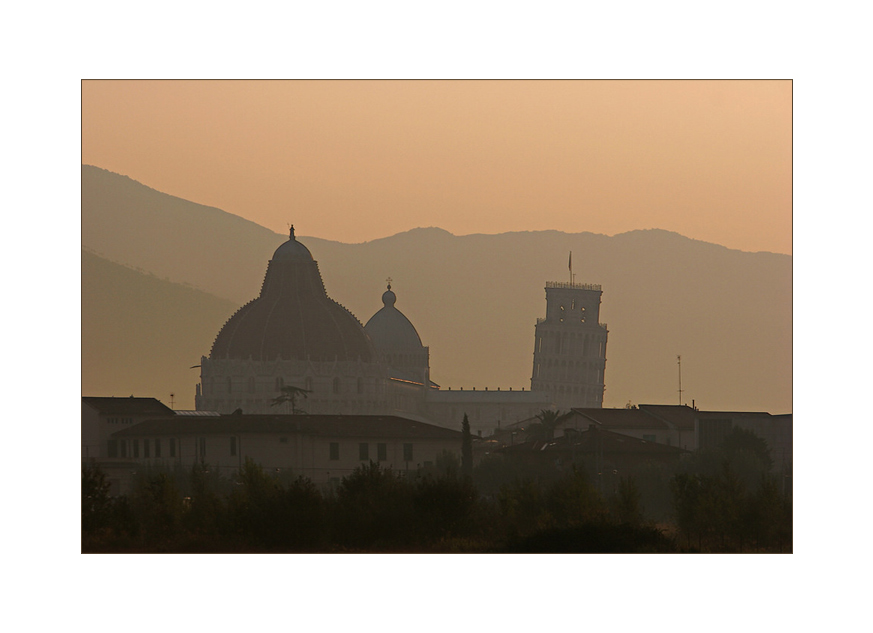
(596, 440)
(732, 414)
(321, 425)
(129, 406)
(615, 419)
(680, 416)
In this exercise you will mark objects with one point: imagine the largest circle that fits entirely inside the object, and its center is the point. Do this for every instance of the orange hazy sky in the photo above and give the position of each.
(358, 160)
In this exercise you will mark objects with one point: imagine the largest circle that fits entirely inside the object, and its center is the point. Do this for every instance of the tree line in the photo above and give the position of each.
(717, 501)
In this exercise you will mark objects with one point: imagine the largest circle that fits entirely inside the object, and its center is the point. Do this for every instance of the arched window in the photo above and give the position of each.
(279, 383)
(308, 386)
(251, 384)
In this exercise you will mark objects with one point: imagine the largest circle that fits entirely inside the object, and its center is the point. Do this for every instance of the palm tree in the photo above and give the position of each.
(545, 428)
(289, 395)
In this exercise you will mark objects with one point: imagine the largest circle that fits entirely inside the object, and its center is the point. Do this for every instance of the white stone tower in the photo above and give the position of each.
(570, 346)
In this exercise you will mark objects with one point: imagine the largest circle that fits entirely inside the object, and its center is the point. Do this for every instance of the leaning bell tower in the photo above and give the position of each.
(570, 346)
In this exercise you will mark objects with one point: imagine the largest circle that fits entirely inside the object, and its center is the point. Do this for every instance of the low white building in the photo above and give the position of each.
(323, 448)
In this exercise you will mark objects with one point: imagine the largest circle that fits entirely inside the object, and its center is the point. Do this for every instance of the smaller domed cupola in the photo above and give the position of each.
(397, 342)
(292, 250)
(390, 330)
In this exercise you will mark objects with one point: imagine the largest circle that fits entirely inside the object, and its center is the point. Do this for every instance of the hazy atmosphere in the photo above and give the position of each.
(437, 317)
(353, 161)
(542, 167)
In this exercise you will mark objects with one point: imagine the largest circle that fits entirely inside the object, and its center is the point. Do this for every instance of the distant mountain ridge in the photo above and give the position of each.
(474, 298)
(141, 334)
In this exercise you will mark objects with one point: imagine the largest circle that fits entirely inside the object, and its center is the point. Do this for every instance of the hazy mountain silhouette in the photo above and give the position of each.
(141, 334)
(474, 299)
(127, 222)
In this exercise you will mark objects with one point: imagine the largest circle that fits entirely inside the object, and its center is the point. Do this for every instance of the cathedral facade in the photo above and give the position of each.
(293, 339)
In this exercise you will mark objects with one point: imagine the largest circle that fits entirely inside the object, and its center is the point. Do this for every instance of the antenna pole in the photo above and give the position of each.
(679, 362)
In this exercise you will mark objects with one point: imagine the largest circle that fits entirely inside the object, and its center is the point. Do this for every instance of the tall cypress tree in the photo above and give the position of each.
(466, 449)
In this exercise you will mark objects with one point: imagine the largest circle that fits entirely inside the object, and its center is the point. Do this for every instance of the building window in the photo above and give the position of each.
(407, 452)
(648, 438)
(364, 451)
(283, 440)
(360, 385)
(202, 448)
(124, 448)
(229, 385)
(135, 449)
(336, 385)
(251, 384)
(279, 383)
(172, 447)
(382, 451)
(145, 448)
(308, 383)
(112, 448)
(334, 451)
(233, 446)
(157, 448)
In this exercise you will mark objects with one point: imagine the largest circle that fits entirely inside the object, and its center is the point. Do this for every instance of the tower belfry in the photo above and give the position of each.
(570, 346)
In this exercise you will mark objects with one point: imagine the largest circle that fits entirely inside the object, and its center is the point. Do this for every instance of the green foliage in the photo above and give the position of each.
(206, 515)
(545, 428)
(443, 506)
(495, 471)
(627, 502)
(447, 464)
(96, 504)
(652, 480)
(742, 440)
(718, 512)
(268, 513)
(374, 508)
(524, 507)
(594, 538)
(572, 500)
(157, 507)
(289, 395)
(466, 448)
(686, 490)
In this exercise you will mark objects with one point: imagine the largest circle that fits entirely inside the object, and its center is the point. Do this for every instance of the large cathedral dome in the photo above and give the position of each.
(293, 318)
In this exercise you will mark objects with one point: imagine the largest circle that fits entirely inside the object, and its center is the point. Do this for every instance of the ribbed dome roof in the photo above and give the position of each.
(293, 318)
(390, 330)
